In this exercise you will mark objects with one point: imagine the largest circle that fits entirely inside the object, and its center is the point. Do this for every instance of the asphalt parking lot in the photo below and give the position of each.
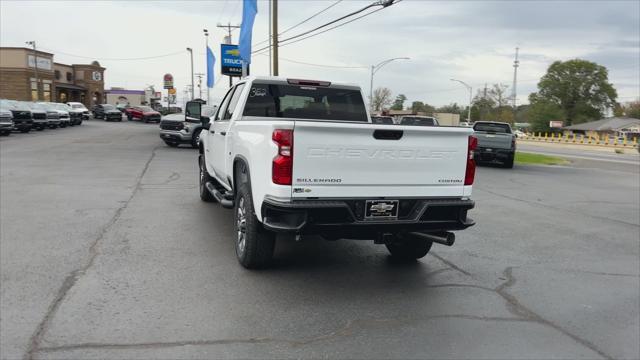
(107, 252)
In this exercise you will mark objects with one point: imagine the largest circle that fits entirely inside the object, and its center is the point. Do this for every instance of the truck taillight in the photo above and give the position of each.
(282, 167)
(470, 173)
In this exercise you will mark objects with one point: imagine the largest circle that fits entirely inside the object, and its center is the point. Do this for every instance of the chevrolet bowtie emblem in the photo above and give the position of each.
(381, 207)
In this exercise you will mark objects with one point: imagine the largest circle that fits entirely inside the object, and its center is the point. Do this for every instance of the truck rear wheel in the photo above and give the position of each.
(409, 248)
(254, 244)
(195, 139)
(508, 163)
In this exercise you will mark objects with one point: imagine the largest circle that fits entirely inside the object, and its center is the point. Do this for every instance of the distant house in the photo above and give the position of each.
(609, 127)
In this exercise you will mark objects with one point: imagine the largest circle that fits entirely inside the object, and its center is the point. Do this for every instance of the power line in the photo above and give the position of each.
(301, 22)
(320, 65)
(384, 4)
(114, 59)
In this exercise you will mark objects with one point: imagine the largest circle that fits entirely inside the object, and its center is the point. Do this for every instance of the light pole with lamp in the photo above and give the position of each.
(191, 53)
(35, 70)
(470, 96)
(206, 36)
(374, 69)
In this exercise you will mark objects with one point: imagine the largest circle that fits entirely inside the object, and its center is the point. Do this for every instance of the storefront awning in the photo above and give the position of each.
(70, 87)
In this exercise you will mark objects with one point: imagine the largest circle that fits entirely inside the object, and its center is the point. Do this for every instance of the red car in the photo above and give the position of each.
(142, 113)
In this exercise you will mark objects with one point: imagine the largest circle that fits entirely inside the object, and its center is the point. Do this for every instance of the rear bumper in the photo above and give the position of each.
(486, 154)
(344, 218)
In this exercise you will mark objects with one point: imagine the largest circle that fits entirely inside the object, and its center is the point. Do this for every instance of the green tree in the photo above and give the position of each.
(632, 109)
(581, 88)
(540, 112)
(482, 106)
(417, 106)
(451, 108)
(398, 103)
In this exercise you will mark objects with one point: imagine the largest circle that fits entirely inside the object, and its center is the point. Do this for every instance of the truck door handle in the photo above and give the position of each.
(223, 133)
(212, 131)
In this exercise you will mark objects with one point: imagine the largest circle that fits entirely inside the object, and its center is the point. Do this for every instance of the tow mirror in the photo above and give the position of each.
(193, 111)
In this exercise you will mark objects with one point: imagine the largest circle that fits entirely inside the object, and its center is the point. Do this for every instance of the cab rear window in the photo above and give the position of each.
(492, 128)
(305, 102)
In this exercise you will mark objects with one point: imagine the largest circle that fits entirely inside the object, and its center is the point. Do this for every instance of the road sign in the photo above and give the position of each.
(231, 64)
(172, 91)
(555, 124)
(168, 81)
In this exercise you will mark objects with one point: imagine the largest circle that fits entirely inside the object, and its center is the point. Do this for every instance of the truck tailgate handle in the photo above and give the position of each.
(388, 134)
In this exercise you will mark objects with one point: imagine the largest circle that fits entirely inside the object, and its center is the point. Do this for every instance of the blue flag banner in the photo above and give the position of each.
(211, 61)
(249, 11)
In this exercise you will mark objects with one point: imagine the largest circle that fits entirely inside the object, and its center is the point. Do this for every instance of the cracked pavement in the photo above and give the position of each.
(107, 252)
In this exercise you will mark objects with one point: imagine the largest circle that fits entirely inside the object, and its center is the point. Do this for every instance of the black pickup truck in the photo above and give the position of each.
(496, 142)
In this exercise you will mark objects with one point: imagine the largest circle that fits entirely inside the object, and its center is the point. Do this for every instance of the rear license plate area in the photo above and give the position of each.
(381, 209)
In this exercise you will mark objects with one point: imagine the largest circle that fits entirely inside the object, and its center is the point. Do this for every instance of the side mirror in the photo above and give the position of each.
(193, 110)
(206, 126)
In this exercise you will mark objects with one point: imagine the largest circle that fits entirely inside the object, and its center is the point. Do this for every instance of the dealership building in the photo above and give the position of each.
(21, 79)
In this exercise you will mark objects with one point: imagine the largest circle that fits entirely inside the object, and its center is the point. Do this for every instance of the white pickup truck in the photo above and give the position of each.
(296, 157)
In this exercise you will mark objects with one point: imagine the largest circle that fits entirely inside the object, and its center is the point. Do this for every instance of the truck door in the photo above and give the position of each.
(220, 128)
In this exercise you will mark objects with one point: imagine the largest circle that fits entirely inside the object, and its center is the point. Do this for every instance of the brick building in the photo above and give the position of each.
(56, 82)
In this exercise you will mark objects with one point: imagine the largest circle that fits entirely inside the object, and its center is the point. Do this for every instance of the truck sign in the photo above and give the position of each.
(231, 63)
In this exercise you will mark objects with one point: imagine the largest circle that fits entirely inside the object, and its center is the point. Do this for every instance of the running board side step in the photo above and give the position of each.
(225, 199)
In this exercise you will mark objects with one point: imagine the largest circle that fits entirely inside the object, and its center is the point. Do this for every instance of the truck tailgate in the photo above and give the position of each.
(494, 141)
(349, 160)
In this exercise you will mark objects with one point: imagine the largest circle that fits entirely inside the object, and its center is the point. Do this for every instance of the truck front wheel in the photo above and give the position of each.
(254, 244)
(409, 248)
(509, 162)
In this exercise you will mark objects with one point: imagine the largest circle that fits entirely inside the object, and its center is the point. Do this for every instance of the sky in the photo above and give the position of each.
(473, 41)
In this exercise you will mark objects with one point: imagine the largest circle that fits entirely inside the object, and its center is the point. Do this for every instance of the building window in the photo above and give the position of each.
(57, 73)
(69, 76)
(34, 90)
(47, 92)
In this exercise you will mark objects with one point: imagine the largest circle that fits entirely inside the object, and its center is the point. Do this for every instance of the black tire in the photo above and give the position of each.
(6, 133)
(254, 244)
(408, 249)
(195, 138)
(129, 118)
(204, 177)
(24, 131)
(80, 123)
(171, 143)
(508, 164)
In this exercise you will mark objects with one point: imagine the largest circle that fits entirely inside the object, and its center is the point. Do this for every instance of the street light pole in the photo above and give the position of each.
(374, 70)
(191, 53)
(35, 68)
(470, 96)
(206, 36)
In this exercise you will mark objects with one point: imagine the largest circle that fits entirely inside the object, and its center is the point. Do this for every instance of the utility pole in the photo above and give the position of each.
(199, 76)
(516, 64)
(35, 68)
(274, 32)
(229, 28)
(191, 53)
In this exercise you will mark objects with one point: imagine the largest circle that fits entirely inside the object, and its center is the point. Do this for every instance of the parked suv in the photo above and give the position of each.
(143, 113)
(75, 114)
(22, 120)
(63, 112)
(176, 129)
(80, 106)
(107, 112)
(39, 115)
